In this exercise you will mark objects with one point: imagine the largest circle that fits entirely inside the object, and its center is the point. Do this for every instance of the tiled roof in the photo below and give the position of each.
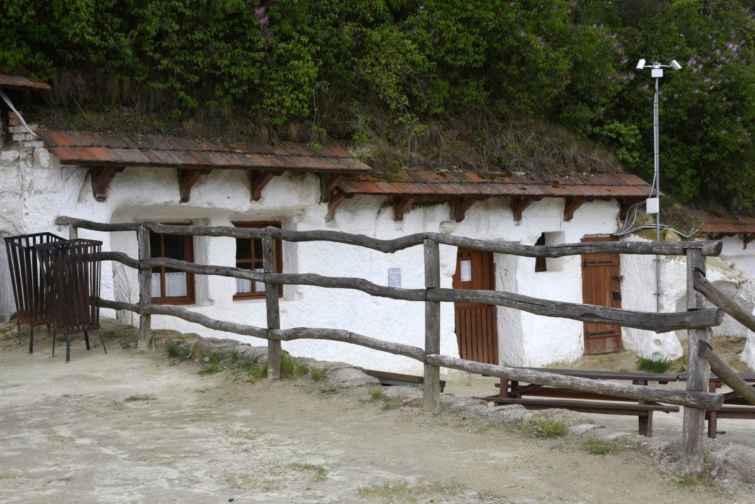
(16, 81)
(104, 149)
(725, 225)
(451, 183)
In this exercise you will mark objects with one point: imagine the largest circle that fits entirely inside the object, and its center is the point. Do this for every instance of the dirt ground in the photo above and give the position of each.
(135, 427)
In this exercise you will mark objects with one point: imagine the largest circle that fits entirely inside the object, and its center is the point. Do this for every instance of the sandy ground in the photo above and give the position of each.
(130, 427)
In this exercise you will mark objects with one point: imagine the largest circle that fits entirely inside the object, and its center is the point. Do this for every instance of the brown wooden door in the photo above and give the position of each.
(476, 324)
(601, 285)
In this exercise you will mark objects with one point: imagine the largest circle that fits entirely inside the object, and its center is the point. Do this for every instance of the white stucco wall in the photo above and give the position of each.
(639, 287)
(36, 189)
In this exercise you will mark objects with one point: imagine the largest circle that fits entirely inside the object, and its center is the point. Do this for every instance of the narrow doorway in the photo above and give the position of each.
(476, 324)
(601, 286)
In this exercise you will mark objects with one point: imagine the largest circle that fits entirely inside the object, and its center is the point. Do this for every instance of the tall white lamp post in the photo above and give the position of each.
(653, 203)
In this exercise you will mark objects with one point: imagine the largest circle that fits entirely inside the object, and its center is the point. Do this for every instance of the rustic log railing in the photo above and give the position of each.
(697, 320)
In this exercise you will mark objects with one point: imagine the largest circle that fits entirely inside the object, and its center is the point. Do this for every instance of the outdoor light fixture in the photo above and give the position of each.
(653, 203)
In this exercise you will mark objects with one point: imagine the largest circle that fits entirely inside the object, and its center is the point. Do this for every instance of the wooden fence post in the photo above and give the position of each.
(273, 311)
(145, 288)
(699, 372)
(73, 232)
(432, 326)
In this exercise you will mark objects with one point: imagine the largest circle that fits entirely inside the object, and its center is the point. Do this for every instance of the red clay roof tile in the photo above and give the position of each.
(88, 148)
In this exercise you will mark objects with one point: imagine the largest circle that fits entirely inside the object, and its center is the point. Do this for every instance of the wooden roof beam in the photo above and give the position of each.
(520, 203)
(401, 205)
(571, 205)
(101, 177)
(328, 184)
(259, 179)
(336, 199)
(187, 178)
(747, 238)
(460, 205)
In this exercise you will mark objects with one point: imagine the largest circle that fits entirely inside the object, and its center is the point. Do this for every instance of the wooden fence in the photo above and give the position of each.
(697, 320)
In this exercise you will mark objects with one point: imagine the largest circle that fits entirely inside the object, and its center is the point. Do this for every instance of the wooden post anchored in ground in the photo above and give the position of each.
(699, 371)
(273, 310)
(145, 288)
(432, 326)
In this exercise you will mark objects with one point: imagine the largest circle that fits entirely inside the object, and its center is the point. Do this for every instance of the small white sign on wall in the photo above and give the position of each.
(394, 277)
(466, 271)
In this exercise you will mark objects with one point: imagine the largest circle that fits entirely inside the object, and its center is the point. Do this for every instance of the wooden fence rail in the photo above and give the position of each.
(697, 320)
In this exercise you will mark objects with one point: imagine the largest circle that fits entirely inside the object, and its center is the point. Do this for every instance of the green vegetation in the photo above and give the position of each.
(391, 404)
(135, 398)
(318, 472)
(177, 351)
(290, 368)
(376, 393)
(544, 427)
(329, 390)
(597, 447)
(212, 364)
(480, 85)
(316, 374)
(654, 365)
(405, 493)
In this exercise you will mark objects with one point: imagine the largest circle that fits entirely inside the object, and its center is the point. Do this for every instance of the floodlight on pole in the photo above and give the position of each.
(653, 204)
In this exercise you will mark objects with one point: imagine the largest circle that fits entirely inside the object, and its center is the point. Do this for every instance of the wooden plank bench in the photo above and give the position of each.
(403, 380)
(534, 396)
(734, 405)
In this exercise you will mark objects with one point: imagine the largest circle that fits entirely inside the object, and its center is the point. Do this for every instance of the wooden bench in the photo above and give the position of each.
(540, 397)
(734, 405)
(402, 380)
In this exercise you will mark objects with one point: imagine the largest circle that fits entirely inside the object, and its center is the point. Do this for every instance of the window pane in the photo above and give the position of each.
(175, 247)
(243, 248)
(155, 289)
(154, 244)
(257, 248)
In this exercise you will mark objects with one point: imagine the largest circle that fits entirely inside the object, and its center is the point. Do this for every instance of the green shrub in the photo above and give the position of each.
(213, 364)
(653, 365)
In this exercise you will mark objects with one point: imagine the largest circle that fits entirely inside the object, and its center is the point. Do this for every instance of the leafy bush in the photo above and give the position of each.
(653, 365)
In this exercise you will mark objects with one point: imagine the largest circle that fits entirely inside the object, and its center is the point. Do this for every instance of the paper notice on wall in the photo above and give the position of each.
(466, 271)
(394, 277)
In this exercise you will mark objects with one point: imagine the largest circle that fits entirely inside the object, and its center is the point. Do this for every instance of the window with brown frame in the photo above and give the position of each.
(249, 256)
(169, 285)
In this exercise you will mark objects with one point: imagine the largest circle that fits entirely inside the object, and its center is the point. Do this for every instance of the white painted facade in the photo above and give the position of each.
(36, 189)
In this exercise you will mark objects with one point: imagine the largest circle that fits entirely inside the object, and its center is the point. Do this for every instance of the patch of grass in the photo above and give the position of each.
(319, 472)
(176, 351)
(545, 427)
(653, 365)
(212, 365)
(135, 398)
(376, 393)
(316, 374)
(597, 447)
(391, 405)
(405, 493)
(688, 480)
(290, 368)
(329, 390)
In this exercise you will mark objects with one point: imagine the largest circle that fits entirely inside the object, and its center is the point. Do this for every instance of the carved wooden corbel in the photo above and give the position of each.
(101, 177)
(460, 205)
(328, 184)
(336, 199)
(571, 205)
(520, 203)
(401, 205)
(258, 181)
(187, 178)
